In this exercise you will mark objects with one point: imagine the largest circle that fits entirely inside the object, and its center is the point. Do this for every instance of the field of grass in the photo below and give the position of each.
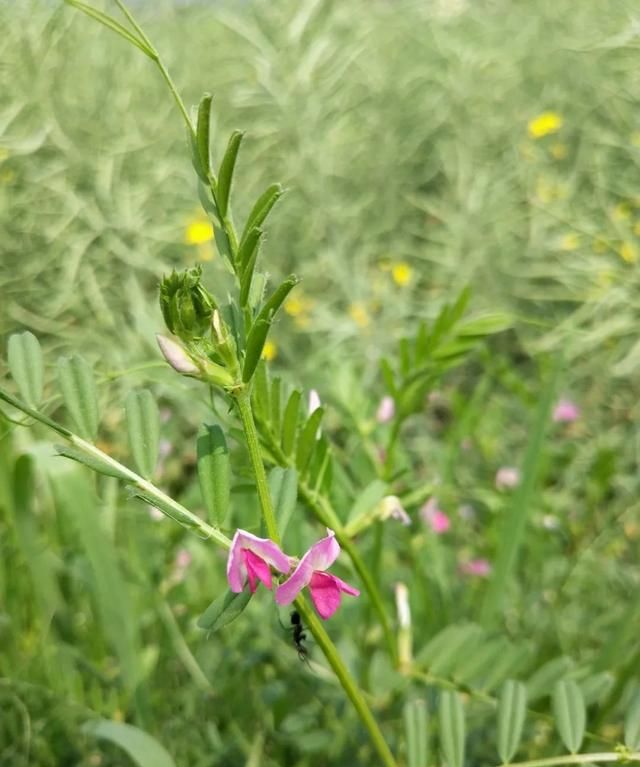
(424, 148)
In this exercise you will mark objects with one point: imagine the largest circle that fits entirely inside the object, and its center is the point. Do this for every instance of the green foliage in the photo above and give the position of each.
(511, 714)
(143, 425)
(26, 367)
(214, 472)
(452, 728)
(144, 750)
(570, 713)
(78, 386)
(223, 610)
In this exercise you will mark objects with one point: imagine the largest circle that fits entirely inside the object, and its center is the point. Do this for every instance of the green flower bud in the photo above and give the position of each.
(186, 304)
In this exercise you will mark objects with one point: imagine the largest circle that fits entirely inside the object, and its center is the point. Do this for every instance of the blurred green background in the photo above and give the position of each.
(424, 146)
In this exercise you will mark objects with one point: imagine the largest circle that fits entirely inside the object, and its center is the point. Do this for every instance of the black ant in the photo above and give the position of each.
(299, 636)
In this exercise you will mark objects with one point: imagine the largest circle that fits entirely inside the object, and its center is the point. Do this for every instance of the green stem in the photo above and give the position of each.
(243, 400)
(607, 756)
(155, 56)
(352, 691)
(325, 513)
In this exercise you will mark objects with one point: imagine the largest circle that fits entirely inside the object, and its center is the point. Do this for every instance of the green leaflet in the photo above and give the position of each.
(225, 174)
(26, 367)
(512, 707)
(79, 391)
(570, 713)
(452, 728)
(223, 610)
(214, 472)
(144, 749)
(143, 426)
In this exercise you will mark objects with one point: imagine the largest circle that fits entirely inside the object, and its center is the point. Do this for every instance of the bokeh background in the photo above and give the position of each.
(424, 147)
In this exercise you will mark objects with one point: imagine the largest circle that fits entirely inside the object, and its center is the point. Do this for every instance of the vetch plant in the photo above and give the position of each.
(219, 341)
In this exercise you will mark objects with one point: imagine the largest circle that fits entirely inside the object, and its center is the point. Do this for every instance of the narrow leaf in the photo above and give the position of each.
(290, 423)
(416, 732)
(112, 24)
(144, 749)
(485, 325)
(249, 266)
(261, 209)
(632, 723)
(512, 707)
(143, 425)
(202, 130)
(260, 392)
(283, 486)
(570, 713)
(452, 728)
(249, 247)
(214, 473)
(225, 174)
(226, 608)
(25, 365)
(275, 301)
(101, 466)
(255, 345)
(307, 439)
(275, 400)
(79, 391)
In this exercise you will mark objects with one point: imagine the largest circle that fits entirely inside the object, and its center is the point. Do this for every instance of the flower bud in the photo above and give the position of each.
(186, 304)
(176, 356)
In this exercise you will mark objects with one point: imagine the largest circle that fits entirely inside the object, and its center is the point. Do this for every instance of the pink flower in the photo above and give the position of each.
(386, 410)
(566, 411)
(176, 356)
(507, 477)
(183, 559)
(326, 589)
(477, 567)
(251, 558)
(433, 516)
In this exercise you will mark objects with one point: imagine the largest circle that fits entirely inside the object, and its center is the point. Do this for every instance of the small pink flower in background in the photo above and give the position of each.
(326, 589)
(183, 559)
(386, 410)
(433, 516)
(507, 477)
(480, 568)
(393, 509)
(566, 411)
(251, 558)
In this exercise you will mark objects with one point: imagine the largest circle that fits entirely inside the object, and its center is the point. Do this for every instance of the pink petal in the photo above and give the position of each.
(176, 356)
(257, 570)
(324, 552)
(566, 411)
(325, 594)
(289, 590)
(268, 551)
(346, 587)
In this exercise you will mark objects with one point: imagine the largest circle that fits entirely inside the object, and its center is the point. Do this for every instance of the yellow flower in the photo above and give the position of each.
(401, 273)
(269, 351)
(621, 212)
(628, 252)
(359, 314)
(298, 304)
(635, 138)
(569, 242)
(605, 278)
(636, 228)
(559, 151)
(4, 153)
(545, 124)
(198, 230)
